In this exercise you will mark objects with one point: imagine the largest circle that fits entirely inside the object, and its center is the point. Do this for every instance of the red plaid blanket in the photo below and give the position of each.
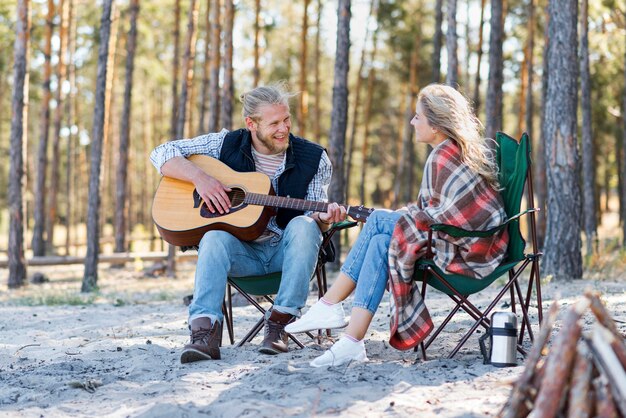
(450, 194)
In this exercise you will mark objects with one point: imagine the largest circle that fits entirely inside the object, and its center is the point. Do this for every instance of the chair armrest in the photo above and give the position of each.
(457, 232)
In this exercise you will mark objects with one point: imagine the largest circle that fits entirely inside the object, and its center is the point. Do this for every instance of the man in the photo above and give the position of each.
(297, 168)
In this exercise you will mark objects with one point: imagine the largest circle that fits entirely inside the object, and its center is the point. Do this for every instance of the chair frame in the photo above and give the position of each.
(512, 285)
(322, 286)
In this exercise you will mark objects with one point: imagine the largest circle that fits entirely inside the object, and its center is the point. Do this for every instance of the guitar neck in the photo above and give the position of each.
(358, 213)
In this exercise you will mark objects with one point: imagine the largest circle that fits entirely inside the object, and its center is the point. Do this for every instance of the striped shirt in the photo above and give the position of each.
(211, 144)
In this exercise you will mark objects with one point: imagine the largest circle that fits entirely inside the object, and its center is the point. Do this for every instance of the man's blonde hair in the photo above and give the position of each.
(273, 94)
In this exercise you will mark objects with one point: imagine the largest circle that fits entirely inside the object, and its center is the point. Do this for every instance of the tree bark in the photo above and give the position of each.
(90, 278)
(623, 167)
(38, 242)
(371, 77)
(71, 114)
(357, 100)
(452, 74)
(122, 164)
(53, 191)
(206, 70)
(19, 118)
(228, 89)
(589, 169)
(214, 84)
(175, 65)
(303, 108)
(479, 57)
(256, 71)
(187, 75)
(493, 104)
(539, 149)
(437, 41)
(339, 116)
(318, 114)
(562, 257)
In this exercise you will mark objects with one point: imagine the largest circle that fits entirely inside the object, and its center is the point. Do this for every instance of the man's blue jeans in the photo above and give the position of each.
(367, 263)
(221, 255)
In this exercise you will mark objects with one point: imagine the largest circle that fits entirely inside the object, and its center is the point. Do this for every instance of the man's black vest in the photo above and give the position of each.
(301, 165)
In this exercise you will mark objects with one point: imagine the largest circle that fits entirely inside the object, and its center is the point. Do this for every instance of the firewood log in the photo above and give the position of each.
(608, 364)
(516, 406)
(602, 314)
(579, 405)
(605, 408)
(559, 362)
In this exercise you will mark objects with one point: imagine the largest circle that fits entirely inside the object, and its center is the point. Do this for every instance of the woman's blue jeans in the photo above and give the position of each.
(367, 263)
(221, 255)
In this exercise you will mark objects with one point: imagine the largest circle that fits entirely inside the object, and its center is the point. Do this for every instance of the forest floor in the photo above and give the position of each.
(116, 353)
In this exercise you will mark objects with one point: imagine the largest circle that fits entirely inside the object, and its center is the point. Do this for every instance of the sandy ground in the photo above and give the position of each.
(117, 354)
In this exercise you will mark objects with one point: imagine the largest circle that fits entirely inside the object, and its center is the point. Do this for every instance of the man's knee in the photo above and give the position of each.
(303, 227)
(214, 241)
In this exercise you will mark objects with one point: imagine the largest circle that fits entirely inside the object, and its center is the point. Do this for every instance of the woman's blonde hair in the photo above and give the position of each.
(447, 110)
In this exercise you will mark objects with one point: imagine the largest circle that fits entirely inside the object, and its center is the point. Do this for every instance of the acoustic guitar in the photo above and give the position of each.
(182, 217)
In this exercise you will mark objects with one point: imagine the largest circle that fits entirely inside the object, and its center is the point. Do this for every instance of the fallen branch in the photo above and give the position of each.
(579, 403)
(558, 364)
(523, 388)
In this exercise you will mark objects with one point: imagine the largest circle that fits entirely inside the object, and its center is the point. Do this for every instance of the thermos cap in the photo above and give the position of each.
(504, 320)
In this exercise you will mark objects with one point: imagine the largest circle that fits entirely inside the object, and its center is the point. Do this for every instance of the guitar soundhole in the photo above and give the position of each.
(236, 196)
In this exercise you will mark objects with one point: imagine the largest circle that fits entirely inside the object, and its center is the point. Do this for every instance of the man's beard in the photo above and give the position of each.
(274, 147)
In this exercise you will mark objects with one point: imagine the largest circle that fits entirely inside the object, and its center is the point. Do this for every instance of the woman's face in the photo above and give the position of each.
(424, 132)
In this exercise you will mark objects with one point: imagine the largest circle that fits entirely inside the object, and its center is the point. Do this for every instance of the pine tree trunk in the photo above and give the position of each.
(122, 165)
(318, 113)
(214, 88)
(479, 57)
(539, 149)
(371, 78)
(71, 122)
(19, 118)
(303, 106)
(187, 75)
(53, 191)
(452, 75)
(109, 140)
(206, 70)
(562, 257)
(623, 169)
(90, 278)
(339, 116)
(175, 65)
(437, 41)
(357, 100)
(228, 89)
(256, 71)
(589, 170)
(493, 104)
(37, 243)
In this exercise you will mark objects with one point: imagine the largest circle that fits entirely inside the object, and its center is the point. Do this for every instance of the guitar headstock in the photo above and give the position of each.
(359, 213)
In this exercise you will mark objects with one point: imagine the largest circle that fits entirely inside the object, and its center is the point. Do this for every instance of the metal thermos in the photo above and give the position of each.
(503, 339)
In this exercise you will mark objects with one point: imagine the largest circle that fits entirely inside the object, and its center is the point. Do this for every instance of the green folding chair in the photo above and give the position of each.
(264, 286)
(514, 161)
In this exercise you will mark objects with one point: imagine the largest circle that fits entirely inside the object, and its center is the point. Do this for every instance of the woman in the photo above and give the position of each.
(459, 187)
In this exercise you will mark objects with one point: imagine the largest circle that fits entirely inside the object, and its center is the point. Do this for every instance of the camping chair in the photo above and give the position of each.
(264, 286)
(514, 162)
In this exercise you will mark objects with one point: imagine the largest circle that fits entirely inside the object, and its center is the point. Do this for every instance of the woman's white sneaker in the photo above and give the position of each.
(319, 316)
(343, 351)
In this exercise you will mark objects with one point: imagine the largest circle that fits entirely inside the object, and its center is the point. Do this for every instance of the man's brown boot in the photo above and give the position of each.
(275, 340)
(205, 341)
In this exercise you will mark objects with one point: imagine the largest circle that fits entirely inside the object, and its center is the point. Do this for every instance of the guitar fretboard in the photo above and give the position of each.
(286, 202)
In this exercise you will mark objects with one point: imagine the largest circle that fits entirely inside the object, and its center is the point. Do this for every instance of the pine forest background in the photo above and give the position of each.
(106, 81)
